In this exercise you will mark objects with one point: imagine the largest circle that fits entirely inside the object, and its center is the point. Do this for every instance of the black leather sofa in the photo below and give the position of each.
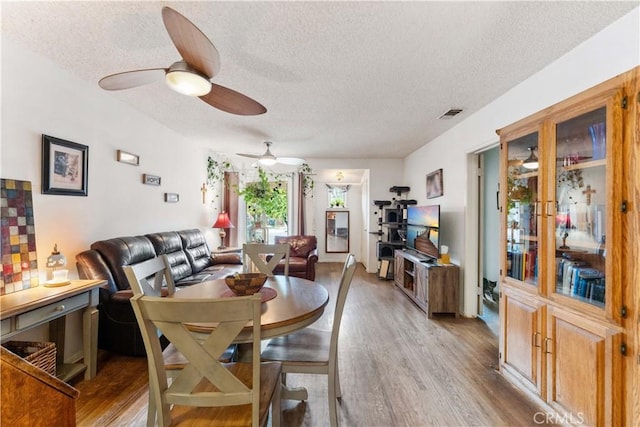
(191, 262)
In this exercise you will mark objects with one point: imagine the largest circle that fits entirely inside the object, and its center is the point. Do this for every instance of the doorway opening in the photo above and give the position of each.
(489, 237)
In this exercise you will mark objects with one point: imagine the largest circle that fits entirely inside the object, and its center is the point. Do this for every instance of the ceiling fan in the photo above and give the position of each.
(269, 159)
(192, 74)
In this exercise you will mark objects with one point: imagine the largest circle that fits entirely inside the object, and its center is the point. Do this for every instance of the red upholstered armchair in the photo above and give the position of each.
(302, 258)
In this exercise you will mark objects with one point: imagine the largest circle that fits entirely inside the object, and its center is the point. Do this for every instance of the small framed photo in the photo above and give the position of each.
(171, 197)
(124, 157)
(150, 179)
(434, 184)
(65, 167)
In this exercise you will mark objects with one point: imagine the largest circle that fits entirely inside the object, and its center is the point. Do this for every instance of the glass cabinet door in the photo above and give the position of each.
(581, 207)
(522, 227)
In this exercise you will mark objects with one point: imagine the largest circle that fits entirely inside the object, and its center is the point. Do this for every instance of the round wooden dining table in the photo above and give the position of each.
(297, 304)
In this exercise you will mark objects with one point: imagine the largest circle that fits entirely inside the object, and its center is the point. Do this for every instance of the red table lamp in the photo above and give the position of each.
(222, 223)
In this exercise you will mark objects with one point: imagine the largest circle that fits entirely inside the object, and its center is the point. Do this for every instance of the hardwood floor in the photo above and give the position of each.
(397, 368)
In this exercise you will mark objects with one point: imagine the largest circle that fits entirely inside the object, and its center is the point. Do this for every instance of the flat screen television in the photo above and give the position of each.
(426, 216)
(423, 230)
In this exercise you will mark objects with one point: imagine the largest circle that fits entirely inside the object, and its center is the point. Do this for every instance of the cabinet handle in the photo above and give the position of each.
(60, 307)
(550, 207)
(534, 339)
(546, 345)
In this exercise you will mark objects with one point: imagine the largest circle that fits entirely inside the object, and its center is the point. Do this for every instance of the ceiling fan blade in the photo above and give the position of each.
(129, 79)
(233, 102)
(294, 161)
(194, 47)
(253, 156)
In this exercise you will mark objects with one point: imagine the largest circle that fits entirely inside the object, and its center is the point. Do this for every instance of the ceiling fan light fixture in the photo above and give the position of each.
(532, 161)
(267, 161)
(187, 81)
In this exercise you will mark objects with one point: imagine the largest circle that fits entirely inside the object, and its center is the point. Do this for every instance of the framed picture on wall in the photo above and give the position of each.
(434, 184)
(171, 197)
(65, 167)
(150, 179)
(129, 158)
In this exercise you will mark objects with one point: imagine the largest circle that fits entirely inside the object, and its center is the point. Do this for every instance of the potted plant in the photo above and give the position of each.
(265, 199)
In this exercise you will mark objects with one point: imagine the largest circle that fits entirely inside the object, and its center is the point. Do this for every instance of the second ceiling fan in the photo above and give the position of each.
(269, 159)
(192, 75)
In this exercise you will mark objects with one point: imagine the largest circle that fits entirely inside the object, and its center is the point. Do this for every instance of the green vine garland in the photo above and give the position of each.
(307, 179)
(216, 169)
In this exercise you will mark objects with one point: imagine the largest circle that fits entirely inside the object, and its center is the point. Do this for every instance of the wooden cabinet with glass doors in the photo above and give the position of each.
(562, 308)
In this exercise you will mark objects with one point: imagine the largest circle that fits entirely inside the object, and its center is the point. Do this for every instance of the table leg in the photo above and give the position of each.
(289, 393)
(57, 329)
(294, 393)
(90, 341)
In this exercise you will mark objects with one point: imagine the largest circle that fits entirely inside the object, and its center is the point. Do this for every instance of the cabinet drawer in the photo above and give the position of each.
(5, 327)
(51, 311)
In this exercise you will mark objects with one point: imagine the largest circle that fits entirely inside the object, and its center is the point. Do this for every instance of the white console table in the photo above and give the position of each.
(26, 309)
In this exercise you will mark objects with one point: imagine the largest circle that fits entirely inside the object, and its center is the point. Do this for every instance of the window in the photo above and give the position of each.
(267, 207)
(337, 195)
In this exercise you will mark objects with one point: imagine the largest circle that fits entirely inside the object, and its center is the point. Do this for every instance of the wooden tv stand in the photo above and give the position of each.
(432, 286)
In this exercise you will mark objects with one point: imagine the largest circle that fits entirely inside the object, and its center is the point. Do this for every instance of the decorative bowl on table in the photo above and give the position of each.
(245, 283)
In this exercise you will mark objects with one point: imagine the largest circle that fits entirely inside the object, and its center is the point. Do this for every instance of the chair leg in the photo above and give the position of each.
(333, 409)
(151, 414)
(276, 408)
(338, 390)
(151, 410)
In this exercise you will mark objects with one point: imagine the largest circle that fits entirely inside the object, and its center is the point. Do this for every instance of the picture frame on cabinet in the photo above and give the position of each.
(128, 158)
(65, 167)
(434, 184)
(150, 179)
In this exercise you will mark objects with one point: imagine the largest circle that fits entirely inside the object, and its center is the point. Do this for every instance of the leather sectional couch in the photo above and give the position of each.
(191, 262)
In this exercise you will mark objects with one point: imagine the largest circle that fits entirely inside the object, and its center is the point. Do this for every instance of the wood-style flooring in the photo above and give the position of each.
(397, 368)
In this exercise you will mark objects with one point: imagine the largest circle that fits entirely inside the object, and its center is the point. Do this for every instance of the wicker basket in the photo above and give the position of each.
(40, 354)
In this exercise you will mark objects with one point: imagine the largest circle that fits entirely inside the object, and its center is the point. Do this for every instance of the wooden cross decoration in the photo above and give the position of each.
(204, 192)
(588, 192)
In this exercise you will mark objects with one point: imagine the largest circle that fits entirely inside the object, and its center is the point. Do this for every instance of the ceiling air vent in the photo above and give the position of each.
(450, 114)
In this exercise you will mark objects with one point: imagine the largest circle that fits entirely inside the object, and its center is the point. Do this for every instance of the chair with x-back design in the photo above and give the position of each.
(265, 257)
(206, 389)
(153, 278)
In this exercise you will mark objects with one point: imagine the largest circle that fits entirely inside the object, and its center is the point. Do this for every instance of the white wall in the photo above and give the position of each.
(380, 175)
(36, 102)
(354, 207)
(614, 50)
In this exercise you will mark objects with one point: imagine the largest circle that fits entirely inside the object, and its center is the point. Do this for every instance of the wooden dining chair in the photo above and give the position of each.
(146, 278)
(265, 257)
(149, 278)
(315, 351)
(206, 391)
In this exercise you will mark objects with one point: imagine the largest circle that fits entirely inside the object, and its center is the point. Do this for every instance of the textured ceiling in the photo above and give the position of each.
(339, 79)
